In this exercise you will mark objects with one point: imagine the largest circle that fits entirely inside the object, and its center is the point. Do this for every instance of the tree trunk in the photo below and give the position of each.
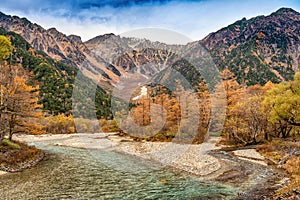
(1, 137)
(10, 136)
(1, 114)
(6, 98)
(266, 136)
(254, 140)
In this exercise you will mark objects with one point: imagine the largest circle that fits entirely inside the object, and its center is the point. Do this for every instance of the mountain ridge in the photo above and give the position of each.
(257, 50)
(274, 38)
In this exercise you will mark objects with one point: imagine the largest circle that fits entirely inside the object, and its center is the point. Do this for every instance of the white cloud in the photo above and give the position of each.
(194, 19)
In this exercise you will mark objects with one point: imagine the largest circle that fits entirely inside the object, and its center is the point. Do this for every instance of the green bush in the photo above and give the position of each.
(11, 144)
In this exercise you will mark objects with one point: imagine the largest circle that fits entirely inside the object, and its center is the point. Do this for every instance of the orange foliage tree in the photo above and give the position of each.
(19, 106)
(234, 94)
(23, 111)
(182, 112)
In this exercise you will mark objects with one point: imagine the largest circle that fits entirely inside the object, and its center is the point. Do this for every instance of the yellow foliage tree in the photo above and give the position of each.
(284, 103)
(60, 124)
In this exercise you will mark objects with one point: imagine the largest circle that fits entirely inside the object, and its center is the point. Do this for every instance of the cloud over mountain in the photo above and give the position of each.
(89, 18)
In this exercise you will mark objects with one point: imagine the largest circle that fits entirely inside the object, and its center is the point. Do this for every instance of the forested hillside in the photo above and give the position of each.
(258, 50)
(55, 79)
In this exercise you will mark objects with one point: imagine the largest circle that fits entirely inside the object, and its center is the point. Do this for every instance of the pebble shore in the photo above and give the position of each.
(191, 158)
(187, 157)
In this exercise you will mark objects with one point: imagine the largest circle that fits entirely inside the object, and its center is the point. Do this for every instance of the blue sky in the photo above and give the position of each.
(89, 18)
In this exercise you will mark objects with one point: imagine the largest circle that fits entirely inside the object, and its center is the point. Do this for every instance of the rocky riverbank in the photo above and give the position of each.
(244, 169)
(190, 158)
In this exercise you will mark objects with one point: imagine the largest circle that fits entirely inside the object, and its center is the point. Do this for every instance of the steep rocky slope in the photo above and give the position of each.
(67, 49)
(52, 42)
(257, 50)
(55, 79)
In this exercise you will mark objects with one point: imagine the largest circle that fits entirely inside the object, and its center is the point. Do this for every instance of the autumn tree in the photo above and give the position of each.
(19, 105)
(185, 113)
(204, 111)
(23, 107)
(248, 122)
(234, 94)
(141, 111)
(174, 116)
(5, 52)
(284, 102)
(5, 48)
(169, 110)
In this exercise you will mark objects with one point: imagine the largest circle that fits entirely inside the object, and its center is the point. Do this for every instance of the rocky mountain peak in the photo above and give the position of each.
(101, 38)
(57, 35)
(53, 31)
(75, 38)
(54, 43)
(286, 11)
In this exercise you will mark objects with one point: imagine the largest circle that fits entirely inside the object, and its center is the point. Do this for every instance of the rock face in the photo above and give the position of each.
(95, 57)
(261, 49)
(52, 42)
(67, 49)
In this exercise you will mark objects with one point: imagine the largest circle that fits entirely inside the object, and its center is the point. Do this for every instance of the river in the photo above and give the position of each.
(72, 173)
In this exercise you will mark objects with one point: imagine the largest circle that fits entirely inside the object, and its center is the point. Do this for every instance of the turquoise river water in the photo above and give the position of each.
(72, 173)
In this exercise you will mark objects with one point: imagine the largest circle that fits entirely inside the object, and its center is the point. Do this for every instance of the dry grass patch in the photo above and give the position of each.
(11, 157)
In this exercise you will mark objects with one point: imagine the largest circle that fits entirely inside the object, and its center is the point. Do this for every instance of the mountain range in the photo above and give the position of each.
(257, 50)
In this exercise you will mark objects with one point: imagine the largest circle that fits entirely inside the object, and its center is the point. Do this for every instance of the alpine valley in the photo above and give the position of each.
(129, 118)
(257, 50)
